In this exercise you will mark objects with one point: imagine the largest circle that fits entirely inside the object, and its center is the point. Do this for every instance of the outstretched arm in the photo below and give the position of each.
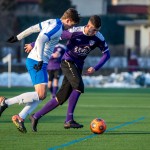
(102, 61)
(28, 31)
(25, 33)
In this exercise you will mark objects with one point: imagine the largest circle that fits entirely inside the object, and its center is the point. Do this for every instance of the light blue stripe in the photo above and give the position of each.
(93, 135)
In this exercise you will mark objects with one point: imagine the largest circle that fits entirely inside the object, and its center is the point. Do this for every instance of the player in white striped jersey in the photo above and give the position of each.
(36, 63)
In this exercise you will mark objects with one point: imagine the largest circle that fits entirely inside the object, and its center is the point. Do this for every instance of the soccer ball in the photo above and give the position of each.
(98, 126)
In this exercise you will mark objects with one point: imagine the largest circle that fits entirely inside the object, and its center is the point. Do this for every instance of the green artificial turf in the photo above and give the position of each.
(126, 112)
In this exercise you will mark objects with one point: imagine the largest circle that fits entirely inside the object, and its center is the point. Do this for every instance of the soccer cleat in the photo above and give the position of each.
(34, 123)
(72, 124)
(19, 123)
(3, 105)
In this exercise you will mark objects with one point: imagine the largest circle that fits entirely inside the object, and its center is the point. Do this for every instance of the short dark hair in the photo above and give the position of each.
(96, 21)
(72, 14)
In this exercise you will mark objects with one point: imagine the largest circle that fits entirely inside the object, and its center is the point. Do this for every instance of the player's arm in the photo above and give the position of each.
(25, 33)
(106, 55)
(33, 29)
(102, 61)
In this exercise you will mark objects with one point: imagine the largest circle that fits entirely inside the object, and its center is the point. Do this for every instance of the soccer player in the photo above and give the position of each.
(53, 67)
(82, 40)
(54, 70)
(36, 63)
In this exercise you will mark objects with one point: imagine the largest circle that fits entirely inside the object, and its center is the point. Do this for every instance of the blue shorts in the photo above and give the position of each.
(37, 77)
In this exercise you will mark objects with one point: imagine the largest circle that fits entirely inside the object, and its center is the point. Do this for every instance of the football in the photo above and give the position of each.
(98, 126)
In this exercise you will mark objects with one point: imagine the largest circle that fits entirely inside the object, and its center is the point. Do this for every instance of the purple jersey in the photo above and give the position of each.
(80, 45)
(54, 63)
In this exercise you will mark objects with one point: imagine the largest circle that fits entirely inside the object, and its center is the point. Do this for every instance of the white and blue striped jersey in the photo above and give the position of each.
(50, 32)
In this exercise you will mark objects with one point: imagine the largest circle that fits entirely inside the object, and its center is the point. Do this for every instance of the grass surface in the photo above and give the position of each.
(118, 107)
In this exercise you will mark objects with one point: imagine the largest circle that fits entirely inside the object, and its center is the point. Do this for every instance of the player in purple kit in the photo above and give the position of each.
(53, 68)
(82, 40)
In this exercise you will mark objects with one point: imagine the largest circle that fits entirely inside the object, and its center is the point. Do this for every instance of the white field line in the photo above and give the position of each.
(108, 106)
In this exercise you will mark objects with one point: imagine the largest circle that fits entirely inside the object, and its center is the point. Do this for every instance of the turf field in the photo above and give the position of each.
(126, 112)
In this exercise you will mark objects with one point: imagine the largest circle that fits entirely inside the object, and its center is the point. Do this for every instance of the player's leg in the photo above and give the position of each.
(3, 105)
(55, 87)
(20, 99)
(74, 77)
(39, 79)
(64, 93)
(50, 105)
(28, 96)
(18, 120)
(50, 79)
(28, 109)
(57, 74)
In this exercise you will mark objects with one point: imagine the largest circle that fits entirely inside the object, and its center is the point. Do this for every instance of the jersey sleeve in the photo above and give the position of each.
(105, 51)
(52, 30)
(102, 45)
(33, 29)
(28, 31)
(45, 23)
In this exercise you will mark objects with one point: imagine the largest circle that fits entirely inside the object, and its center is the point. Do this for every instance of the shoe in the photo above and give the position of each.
(72, 124)
(19, 123)
(3, 105)
(34, 123)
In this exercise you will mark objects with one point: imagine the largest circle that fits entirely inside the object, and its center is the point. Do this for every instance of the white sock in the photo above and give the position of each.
(28, 109)
(23, 98)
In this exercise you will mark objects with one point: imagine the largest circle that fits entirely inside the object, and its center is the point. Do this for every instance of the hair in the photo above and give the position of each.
(72, 14)
(96, 21)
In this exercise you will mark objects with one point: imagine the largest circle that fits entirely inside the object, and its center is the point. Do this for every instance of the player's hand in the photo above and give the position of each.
(27, 48)
(56, 55)
(38, 66)
(89, 71)
(12, 39)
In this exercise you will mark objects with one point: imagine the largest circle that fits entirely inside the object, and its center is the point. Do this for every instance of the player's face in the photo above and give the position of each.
(68, 24)
(90, 30)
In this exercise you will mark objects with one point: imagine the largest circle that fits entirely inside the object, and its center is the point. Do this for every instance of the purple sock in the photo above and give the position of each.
(72, 104)
(55, 88)
(50, 105)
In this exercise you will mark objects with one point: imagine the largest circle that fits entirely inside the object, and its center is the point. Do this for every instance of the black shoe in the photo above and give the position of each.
(19, 123)
(72, 124)
(34, 123)
(3, 105)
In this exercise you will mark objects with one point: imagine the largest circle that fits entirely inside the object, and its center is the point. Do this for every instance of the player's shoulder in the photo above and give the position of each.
(100, 36)
(52, 22)
(76, 29)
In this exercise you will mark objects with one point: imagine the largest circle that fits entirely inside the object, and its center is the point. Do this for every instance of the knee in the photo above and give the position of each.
(42, 96)
(79, 86)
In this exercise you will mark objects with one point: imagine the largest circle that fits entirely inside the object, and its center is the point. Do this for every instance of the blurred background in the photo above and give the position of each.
(125, 26)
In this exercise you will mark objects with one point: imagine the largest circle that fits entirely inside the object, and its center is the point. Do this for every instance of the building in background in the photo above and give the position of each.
(128, 7)
(89, 7)
(137, 36)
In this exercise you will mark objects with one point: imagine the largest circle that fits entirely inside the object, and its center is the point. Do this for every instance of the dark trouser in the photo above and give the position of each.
(54, 74)
(72, 80)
